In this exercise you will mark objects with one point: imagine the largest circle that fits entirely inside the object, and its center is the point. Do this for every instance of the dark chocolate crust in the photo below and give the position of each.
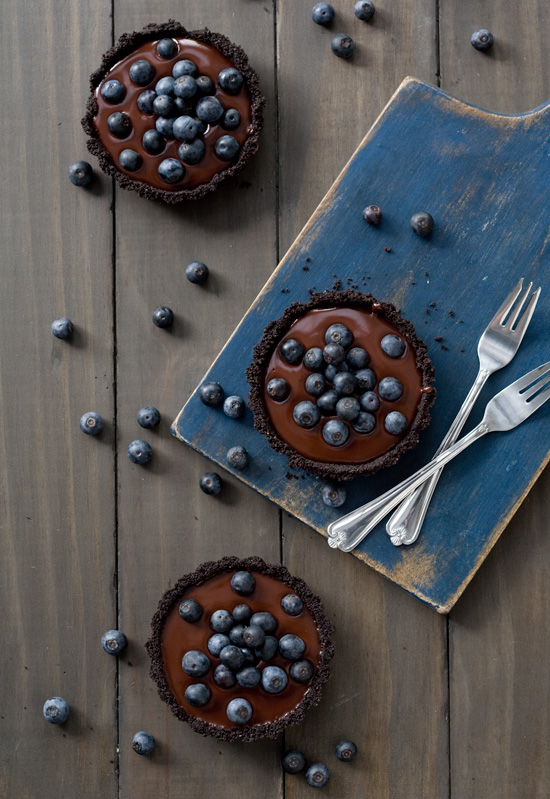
(129, 42)
(273, 334)
(203, 572)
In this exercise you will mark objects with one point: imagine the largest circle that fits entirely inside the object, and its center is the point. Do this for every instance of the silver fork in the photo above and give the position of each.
(497, 346)
(506, 410)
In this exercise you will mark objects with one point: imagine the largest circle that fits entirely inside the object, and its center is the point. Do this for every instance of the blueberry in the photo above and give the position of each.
(231, 119)
(230, 80)
(335, 432)
(223, 676)
(291, 647)
(278, 389)
(333, 495)
(292, 604)
(364, 423)
(113, 642)
(346, 751)
(334, 353)
(347, 408)
(250, 658)
(164, 106)
(211, 393)
(333, 369)
(243, 582)
(216, 643)
(264, 620)
(274, 679)
(233, 407)
(192, 153)
(292, 351)
(145, 101)
(165, 85)
(211, 483)
(185, 87)
(306, 414)
(342, 45)
(390, 388)
(185, 128)
(139, 451)
(239, 711)
(113, 91)
(395, 423)
(143, 743)
(339, 334)
(313, 359)
(293, 761)
(184, 67)
(153, 142)
(344, 383)
(190, 610)
(148, 417)
(62, 328)
(482, 39)
(221, 621)
(232, 657)
(357, 358)
(119, 124)
(171, 170)
(237, 457)
(316, 384)
(302, 671)
(364, 10)
(369, 401)
(165, 126)
(268, 649)
(56, 710)
(130, 160)
(248, 677)
(236, 634)
(241, 613)
(197, 694)
(209, 109)
(322, 13)
(163, 316)
(142, 72)
(372, 214)
(327, 402)
(80, 173)
(227, 147)
(254, 636)
(317, 775)
(167, 48)
(422, 223)
(366, 380)
(183, 107)
(91, 423)
(206, 85)
(393, 346)
(195, 663)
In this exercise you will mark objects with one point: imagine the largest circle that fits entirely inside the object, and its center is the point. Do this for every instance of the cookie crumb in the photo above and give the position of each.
(438, 338)
(426, 274)
(432, 305)
(387, 249)
(451, 313)
(305, 267)
(443, 347)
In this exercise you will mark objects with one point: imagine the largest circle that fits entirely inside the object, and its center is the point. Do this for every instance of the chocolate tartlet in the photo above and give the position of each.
(173, 113)
(341, 385)
(274, 686)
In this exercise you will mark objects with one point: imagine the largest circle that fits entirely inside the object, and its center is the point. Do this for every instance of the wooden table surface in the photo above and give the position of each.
(439, 706)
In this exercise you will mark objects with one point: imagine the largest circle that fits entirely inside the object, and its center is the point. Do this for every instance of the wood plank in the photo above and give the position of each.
(56, 485)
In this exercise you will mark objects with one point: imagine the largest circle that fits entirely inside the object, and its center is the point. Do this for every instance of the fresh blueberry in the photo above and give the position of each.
(167, 48)
(153, 142)
(80, 173)
(334, 354)
(62, 328)
(322, 13)
(317, 775)
(344, 383)
(119, 124)
(342, 45)
(56, 710)
(192, 153)
(306, 414)
(390, 388)
(206, 85)
(196, 271)
(148, 417)
(232, 657)
(274, 679)
(393, 346)
(209, 109)
(339, 334)
(221, 621)
(216, 643)
(142, 72)
(364, 423)
(236, 634)
(241, 613)
(239, 711)
(197, 694)
(264, 620)
(183, 107)
(482, 39)
(211, 483)
(357, 358)
(190, 610)
(335, 432)
(422, 223)
(185, 87)
(243, 582)
(233, 407)
(366, 380)
(333, 369)
(372, 214)
(211, 393)
(291, 647)
(292, 604)
(231, 119)
(171, 170)
(348, 409)
(395, 423)
(313, 359)
(164, 106)
(195, 663)
(184, 67)
(130, 160)
(113, 642)
(346, 751)
(91, 423)
(145, 101)
(139, 451)
(369, 401)
(165, 126)
(333, 495)
(113, 91)
(223, 676)
(364, 10)
(292, 351)
(327, 402)
(227, 147)
(237, 457)
(250, 658)
(143, 743)
(230, 80)
(165, 85)
(293, 761)
(316, 384)
(163, 316)
(185, 128)
(248, 677)
(301, 671)
(268, 649)
(254, 636)
(278, 389)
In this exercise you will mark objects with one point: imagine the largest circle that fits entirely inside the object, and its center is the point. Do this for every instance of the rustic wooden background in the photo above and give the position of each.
(440, 707)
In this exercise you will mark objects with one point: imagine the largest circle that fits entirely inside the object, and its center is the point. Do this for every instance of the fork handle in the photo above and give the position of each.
(405, 524)
(346, 533)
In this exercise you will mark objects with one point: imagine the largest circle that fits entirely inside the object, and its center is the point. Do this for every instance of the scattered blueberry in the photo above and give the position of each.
(248, 677)
(334, 353)
(344, 383)
(333, 495)
(364, 10)
(335, 432)
(278, 389)
(190, 610)
(482, 40)
(317, 775)
(113, 91)
(422, 223)
(223, 676)
(113, 642)
(313, 359)
(322, 13)
(130, 160)
(306, 414)
(395, 423)
(145, 101)
(195, 663)
(197, 694)
(163, 316)
(265, 620)
(348, 409)
(357, 358)
(390, 388)
(209, 109)
(291, 647)
(171, 170)
(268, 649)
(211, 393)
(342, 45)
(339, 334)
(372, 214)
(364, 423)
(184, 67)
(327, 402)
(243, 582)
(206, 85)
(231, 119)
(274, 679)
(62, 328)
(292, 604)
(56, 710)
(185, 128)
(191, 153)
(346, 751)
(148, 417)
(216, 643)
(237, 457)
(301, 671)
(227, 147)
(165, 85)
(139, 451)
(316, 384)
(293, 761)
(233, 407)
(393, 346)
(236, 634)
(366, 380)
(239, 711)
(80, 173)
(142, 72)
(143, 743)
(254, 636)
(91, 423)
(164, 106)
(165, 126)
(221, 621)
(196, 271)
(241, 613)
(232, 657)
(292, 351)
(369, 401)
(167, 48)
(211, 483)
(119, 124)
(230, 80)
(153, 142)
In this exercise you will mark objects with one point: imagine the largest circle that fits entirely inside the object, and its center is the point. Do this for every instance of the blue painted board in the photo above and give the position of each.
(485, 178)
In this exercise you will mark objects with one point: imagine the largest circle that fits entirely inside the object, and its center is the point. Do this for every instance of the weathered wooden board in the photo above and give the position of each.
(484, 178)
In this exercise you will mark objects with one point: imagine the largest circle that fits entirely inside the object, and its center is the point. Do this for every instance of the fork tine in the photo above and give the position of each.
(507, 304)
(527, 314)
(516, 310)
(534, 388)
(528, 379)
(540, 399)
